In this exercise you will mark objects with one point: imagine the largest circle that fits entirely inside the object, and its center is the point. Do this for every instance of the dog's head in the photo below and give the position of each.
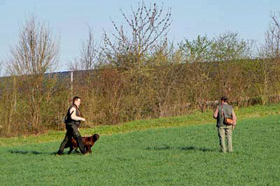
(95, 137)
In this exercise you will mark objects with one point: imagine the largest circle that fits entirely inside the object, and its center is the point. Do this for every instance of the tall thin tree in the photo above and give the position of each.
(35, 54)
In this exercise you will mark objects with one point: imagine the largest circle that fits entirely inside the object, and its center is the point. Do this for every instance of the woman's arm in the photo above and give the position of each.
(215, 115)
(234, 118)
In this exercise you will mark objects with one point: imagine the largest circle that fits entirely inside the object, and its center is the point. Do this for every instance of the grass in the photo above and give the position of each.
(186, 154)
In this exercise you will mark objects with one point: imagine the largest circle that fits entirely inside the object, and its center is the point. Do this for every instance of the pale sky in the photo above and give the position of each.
(69, 20)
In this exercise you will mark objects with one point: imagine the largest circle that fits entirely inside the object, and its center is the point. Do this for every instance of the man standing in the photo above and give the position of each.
(73, 120)
(224, 110)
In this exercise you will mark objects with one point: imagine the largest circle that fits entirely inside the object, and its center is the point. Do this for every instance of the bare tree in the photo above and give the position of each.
(87, 61)
(269, 64)
(271, 49)
(35, 54)
(147, 25)
(89, 54)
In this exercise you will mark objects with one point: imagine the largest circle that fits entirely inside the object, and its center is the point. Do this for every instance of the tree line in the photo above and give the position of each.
(135, 73)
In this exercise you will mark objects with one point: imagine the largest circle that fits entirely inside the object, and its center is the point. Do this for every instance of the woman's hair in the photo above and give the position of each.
(224, 98)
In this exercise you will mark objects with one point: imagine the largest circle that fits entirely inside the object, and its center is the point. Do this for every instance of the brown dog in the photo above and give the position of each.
(88, 143)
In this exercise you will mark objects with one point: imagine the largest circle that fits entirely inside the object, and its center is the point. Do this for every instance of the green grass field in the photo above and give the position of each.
(169, 151)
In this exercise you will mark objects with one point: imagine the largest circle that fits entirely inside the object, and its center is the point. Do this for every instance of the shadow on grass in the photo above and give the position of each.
(29, 152)
(203, 149)
(188, 148)
(25, 152)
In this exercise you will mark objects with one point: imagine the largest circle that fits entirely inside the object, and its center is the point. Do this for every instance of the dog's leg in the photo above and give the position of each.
(89, 149)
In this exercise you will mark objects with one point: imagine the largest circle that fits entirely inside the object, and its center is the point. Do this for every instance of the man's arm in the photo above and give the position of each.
(74, 115)
(215, 115)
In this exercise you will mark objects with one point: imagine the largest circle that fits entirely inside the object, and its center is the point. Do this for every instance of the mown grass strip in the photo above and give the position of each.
(192, 119)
